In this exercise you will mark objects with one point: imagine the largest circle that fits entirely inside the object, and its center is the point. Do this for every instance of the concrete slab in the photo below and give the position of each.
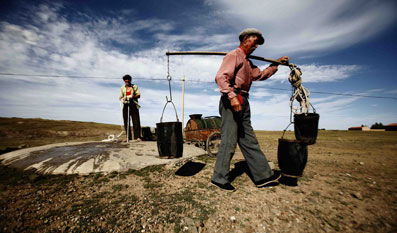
(92, 157)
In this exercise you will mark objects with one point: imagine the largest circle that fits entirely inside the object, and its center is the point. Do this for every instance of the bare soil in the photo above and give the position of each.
(349, 185)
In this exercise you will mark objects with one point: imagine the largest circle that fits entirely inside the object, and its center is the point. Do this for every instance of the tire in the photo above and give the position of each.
(213, 142)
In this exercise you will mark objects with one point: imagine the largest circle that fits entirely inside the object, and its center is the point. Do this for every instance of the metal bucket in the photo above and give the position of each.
(292, 157)
(169, 139)
(306, 127)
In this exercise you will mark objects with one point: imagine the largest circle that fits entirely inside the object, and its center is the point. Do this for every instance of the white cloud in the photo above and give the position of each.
(392, 91)
(52, 44)
(320, 73)
(308, 26)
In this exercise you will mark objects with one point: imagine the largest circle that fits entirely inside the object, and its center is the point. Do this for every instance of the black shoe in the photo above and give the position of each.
(227, 186)
(271, 181)
(289, 181)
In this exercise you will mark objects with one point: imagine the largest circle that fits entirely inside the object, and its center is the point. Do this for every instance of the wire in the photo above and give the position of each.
(333, 93)
(180, 80)
(70, 76)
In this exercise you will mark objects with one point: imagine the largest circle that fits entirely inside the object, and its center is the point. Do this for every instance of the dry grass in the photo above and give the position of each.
(348, 186)
(24, 132)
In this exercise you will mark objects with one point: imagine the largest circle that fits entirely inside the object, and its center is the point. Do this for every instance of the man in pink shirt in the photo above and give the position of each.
(234, 80)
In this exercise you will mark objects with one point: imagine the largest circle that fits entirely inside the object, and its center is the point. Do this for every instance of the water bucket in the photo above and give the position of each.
(169, 137)
(147, 134)
(292, 157)
(306, 127)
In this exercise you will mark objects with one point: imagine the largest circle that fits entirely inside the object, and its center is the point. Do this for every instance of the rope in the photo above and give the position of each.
(300, 93)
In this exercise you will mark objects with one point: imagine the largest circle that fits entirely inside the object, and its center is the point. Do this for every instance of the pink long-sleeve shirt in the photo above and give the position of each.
(237, 72)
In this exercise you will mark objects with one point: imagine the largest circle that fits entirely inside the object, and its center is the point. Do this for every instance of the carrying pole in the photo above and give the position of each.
(222, 54)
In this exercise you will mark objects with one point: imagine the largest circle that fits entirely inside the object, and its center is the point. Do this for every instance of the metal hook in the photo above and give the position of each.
(169, 87)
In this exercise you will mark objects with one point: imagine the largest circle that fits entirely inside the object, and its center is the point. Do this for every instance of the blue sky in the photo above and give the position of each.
(343, 46)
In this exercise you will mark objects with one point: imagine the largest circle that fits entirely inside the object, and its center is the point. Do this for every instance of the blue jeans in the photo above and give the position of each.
(236, 128)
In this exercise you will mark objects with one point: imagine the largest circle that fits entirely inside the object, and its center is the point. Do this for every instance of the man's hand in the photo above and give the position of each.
(235, 103)
(283, 60)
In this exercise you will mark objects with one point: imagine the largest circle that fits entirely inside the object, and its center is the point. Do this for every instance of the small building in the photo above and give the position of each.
(391, 127)
(360, 128)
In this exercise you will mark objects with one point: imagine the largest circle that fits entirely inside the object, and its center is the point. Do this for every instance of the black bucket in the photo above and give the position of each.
(169, 139)
(306, 127)
(292, 157)
(147, 134)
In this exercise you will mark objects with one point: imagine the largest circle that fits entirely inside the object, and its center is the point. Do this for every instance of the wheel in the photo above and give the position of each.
(213, 142)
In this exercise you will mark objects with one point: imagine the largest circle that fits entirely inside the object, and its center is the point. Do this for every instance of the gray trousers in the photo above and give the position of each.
(236, 128)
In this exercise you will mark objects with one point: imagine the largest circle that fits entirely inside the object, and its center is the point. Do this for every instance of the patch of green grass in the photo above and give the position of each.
(201, 185)
(112, 220)
(113, 174)
(130, 171)
(97, 176)
(118, 187)
(104, 180)
(101, 195)
(148, 170)
(53, 213)
(152, 185)
(206, 158)
(14, 177)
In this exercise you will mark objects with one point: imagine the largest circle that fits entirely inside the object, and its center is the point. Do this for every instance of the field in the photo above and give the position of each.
(349, 185)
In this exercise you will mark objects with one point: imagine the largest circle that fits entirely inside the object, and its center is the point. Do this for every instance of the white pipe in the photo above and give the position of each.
(183, 99)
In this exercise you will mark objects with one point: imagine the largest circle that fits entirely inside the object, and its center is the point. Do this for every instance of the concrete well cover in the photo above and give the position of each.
(91, 157)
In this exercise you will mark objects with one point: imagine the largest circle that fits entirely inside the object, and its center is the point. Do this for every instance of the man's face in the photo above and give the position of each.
(250, 44)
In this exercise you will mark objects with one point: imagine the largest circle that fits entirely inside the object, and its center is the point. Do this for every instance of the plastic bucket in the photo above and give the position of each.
(306, 127)
(292, 157)
(169, 139)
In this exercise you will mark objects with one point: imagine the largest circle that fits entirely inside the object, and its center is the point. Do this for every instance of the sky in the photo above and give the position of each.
(65, 60)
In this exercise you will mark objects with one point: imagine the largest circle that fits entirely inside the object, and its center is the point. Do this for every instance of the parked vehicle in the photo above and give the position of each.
(204, 132)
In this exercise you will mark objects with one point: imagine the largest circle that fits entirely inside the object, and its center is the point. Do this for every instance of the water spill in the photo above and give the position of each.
(74, 155)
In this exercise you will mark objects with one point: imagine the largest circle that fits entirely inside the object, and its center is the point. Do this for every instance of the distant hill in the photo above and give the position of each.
(28, 132)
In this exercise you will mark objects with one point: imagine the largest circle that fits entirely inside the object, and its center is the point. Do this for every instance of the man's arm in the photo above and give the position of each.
(259, 75)
(224, 77)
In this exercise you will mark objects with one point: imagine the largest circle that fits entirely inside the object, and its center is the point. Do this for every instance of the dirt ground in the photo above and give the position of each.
(349, 185)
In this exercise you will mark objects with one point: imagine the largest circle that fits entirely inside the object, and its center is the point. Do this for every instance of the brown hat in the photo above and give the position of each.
(251, 31)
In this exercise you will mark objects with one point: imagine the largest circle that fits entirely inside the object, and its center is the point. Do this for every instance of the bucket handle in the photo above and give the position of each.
(282, 136)
(176, 114)
(169, 87)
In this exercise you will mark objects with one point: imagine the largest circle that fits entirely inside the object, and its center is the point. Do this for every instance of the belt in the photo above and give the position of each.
(239, 92)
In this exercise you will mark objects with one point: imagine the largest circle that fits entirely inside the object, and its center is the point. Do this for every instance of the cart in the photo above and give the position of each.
(204, 132)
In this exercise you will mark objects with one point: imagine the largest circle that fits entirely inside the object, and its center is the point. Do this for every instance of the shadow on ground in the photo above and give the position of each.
(190, 169)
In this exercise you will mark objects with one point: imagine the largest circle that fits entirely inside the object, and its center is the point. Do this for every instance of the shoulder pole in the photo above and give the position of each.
(221, 54)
